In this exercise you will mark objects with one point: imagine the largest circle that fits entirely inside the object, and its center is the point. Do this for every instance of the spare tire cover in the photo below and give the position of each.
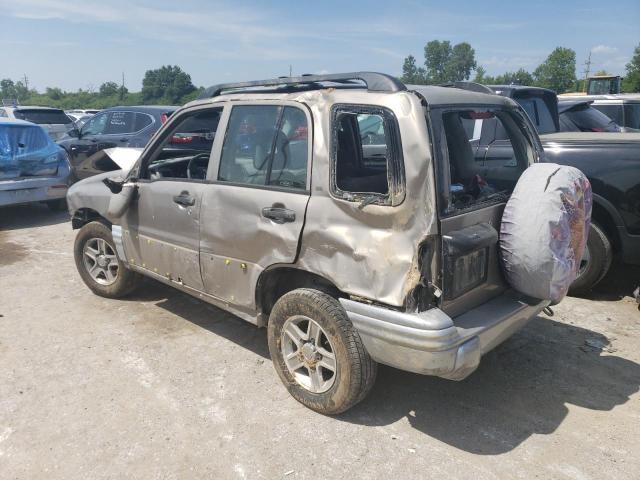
(544, 230)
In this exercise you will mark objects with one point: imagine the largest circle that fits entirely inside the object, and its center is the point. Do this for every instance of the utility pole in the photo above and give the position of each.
(26, 82)
(587, 68)
(290, 70)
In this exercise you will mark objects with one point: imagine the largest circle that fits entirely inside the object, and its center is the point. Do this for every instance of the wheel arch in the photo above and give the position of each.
(82, 216)
(274, 282)
(607, 217)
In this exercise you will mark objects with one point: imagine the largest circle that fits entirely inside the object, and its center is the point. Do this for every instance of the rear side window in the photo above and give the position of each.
(265, 145)
(142, 121)
(614, 112)
(367, 162)
(474, 178)
(588, 119)
(43, 117)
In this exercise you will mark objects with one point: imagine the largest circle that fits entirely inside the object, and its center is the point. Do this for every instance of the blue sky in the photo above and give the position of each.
(80, 44)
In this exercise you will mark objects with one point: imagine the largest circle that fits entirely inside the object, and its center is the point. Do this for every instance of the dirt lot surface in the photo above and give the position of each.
(163, 386)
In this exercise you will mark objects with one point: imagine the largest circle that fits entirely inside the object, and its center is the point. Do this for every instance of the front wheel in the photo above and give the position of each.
(98, 264)
(317, 353)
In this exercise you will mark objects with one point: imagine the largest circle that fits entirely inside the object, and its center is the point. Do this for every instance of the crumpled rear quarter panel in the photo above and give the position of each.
(370, 252)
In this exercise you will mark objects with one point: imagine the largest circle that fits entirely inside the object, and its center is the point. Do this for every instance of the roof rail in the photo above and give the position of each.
(375, 82)
(471, 86)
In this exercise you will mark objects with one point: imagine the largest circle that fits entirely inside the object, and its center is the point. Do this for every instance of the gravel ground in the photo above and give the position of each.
(163, 386)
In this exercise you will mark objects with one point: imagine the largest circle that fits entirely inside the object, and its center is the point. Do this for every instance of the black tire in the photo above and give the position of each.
(57, 205)
(601, 255)
(126, 280)
(356, 371)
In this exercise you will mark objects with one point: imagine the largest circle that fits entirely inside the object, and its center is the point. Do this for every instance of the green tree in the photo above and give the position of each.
(108, 89)
(436, 56)
(558, 71)
(7, 88)
(54, 93)
(602, 73)
(411, 73)
(520, 77)
(460, 63)
(167, 83)
(631, 82)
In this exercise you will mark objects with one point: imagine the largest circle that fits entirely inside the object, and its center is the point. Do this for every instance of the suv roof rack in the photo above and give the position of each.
(374, 82)
(471, 86)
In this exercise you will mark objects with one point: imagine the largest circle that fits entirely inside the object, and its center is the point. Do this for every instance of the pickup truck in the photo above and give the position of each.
(611, 162)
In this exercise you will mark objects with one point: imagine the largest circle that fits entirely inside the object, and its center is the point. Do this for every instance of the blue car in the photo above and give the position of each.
(32, 167)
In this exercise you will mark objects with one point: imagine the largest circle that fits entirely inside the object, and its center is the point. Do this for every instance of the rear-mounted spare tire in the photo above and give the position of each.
(544, 230)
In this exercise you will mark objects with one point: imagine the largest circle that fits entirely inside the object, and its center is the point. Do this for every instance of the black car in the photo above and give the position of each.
(611, 162)
(115, 127)
(580, 116)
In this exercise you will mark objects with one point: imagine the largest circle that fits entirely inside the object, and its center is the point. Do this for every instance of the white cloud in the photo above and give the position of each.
(604, 49)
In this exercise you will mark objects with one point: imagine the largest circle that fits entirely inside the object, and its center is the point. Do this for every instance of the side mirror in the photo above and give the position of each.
(120, 201)
(74, 132)
(114, 184)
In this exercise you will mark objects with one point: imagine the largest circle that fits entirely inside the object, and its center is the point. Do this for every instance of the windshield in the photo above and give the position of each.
(43, 117)
(588, 119)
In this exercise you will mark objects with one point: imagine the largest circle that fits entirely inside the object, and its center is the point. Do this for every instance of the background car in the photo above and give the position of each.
(580, 116)
(32, 167)
(114, 127)
(79, 118)
(624, 109)
(53, 120)
(80, 112)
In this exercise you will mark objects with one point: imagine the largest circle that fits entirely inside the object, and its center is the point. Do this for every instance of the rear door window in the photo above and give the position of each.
(43, 117)
(265, 145)
(588, 119)
(120, 123)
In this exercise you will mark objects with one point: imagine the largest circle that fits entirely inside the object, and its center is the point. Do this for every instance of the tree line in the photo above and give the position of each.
(167, 85)
(443, 63)
(446, 63)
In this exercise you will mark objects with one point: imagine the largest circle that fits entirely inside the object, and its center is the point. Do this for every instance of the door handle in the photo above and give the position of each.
(184, 199)
(93, 140)
(124, 139)
(279, 214)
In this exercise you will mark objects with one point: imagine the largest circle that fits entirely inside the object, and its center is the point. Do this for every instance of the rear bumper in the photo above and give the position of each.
(432, 343)
(13, 192)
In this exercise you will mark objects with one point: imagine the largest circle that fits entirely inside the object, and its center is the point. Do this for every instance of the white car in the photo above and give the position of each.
(53, 120)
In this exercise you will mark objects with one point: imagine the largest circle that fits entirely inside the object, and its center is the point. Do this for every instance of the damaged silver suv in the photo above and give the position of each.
(351, 215)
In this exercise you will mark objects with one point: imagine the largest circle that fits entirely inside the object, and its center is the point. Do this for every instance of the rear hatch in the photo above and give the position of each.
(54, 121)
(26, 152)
(473, 191)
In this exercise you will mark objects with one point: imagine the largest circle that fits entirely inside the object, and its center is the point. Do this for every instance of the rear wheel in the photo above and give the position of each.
(317, 353)
(98, 264)
(595, 261)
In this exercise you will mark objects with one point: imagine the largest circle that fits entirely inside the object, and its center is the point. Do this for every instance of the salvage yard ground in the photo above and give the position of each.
(161, 385)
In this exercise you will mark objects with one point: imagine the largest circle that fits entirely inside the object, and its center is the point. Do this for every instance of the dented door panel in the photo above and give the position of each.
(238, 241)
(161, 235)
